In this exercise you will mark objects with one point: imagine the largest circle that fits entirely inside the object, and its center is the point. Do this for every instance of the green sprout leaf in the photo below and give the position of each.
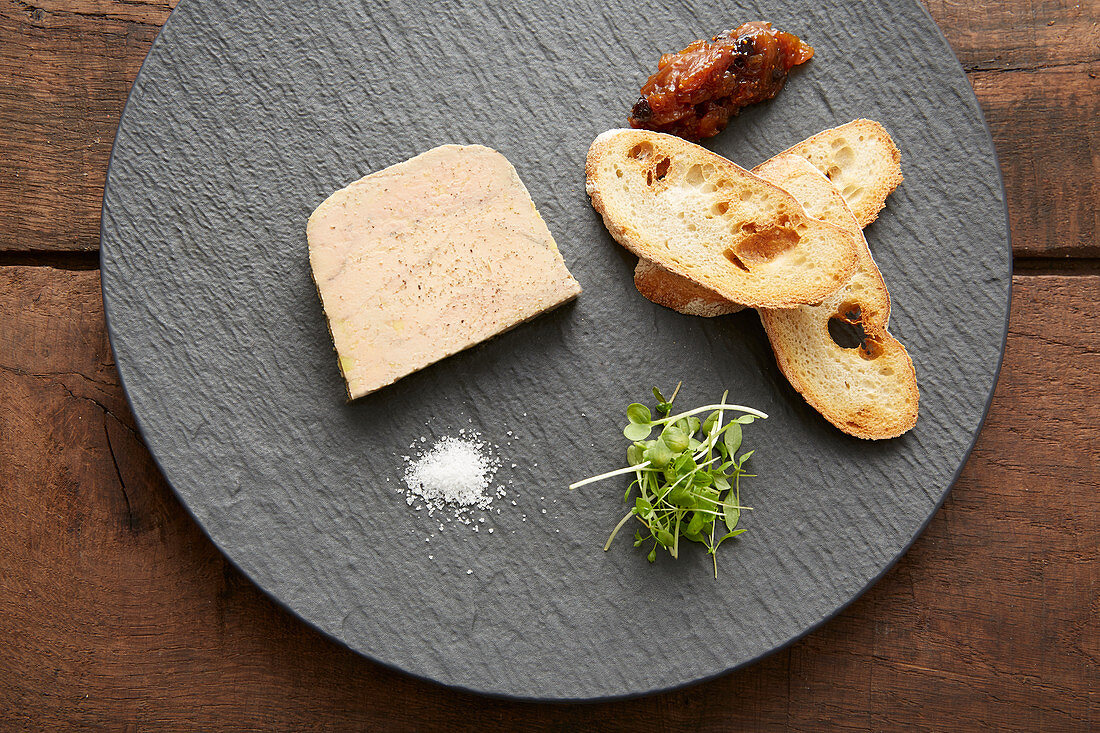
(659, 454)
(732, 437)
(710, 422)
(731, 512)
(639, 413)
(675, 438)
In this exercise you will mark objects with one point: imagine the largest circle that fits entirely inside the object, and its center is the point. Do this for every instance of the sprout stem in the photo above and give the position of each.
(689, 413)
(609, 474)
(617, 528)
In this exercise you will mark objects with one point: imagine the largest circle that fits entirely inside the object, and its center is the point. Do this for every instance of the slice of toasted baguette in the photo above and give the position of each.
(861, 160)
(868, 389)
(859, 156)
(699, 215)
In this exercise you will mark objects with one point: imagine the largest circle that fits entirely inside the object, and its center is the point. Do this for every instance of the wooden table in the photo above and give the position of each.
(116, 611)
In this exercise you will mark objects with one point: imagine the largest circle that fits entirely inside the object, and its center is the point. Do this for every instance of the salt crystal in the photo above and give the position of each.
(454, 471)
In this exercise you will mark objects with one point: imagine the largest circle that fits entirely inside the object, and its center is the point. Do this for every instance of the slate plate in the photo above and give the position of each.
(246, 115)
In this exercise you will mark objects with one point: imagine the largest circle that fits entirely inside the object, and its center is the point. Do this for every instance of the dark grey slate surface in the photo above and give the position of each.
(247, 115)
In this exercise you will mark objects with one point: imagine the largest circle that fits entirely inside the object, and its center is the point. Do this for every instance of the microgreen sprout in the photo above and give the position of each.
(687, 478)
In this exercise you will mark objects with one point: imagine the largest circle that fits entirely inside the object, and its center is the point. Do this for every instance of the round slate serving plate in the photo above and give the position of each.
(247, 115)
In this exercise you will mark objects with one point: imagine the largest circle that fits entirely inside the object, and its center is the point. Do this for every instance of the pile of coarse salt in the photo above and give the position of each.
(455, 472)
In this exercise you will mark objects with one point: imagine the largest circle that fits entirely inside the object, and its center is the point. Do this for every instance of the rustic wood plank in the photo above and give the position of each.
(66, 67)
(1046, 128)
(65, 71)
(1019, 34)
(116, 611)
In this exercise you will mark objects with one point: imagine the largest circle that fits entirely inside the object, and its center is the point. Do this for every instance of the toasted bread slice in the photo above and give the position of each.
(861, 160)
(866, 386)
(859, 155)
(699, 215)
(679, 293)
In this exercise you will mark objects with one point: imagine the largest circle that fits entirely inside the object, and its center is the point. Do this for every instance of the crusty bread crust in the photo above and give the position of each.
(861, 154)
(679, 293)
(701, 216)
(870, 390)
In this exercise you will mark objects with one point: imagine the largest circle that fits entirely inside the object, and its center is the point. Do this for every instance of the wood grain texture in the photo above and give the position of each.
(1046, 125)
(65, 71)
(1019, 34)
(119, 613)
(66, 68)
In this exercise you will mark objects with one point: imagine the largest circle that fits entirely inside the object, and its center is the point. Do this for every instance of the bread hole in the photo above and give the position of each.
(662, 168)
(649, 177)
(844, 156)
(851, 191)
(839, 143)
(732, 257)
(832, 172)
(709, 188)
(694, 175)
(691, 226)
(641, 151)
(720, 208)
(619, 172)
(745, 195)
(762, 244)
(846, 327)
(887, 371)
(846, 330)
